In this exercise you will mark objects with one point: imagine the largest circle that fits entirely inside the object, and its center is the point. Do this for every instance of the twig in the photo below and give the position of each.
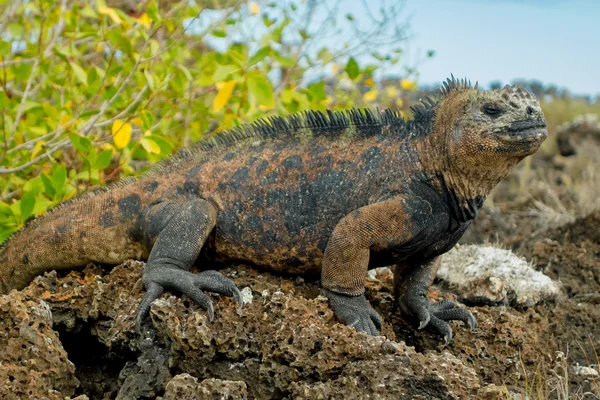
(36, 63)
(125, 111)
(47, 154)
(8, 63)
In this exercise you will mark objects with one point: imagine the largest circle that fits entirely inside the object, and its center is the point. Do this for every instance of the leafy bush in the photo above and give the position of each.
(93, 93)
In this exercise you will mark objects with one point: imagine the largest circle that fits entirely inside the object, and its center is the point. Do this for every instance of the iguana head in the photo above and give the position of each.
(486, 133)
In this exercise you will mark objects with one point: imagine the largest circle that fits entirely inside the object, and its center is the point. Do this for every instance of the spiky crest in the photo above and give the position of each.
(331, 124)
(425, 110)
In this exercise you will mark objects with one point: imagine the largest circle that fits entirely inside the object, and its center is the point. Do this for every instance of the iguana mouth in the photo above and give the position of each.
(526, 131)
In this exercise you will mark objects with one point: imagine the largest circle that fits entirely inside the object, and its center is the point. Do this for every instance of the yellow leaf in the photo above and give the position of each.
(121, 132)
(64, 120)
(37, 149)
(144, 20)
(110, 12)
(391, 91)
(407, 84)
(370, 95)
(335, 68)
(150, 145)
(370, 82)
(223, 95)
(254, 8)
(137, 121)
(228, 120)
(399, 103)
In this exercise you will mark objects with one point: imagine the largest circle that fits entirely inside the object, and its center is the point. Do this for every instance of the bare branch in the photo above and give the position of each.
(125, 111)
(47, 154)
(36, 63)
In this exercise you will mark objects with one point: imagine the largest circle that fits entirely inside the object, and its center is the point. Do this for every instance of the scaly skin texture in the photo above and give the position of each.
(337, 194)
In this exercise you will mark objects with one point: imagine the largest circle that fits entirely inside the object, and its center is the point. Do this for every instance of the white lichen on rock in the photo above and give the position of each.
(246, 295)
(490, 275)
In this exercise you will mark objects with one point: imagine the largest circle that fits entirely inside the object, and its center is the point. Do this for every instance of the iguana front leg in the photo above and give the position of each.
(346, 259)
(410, 288)
(178, 231)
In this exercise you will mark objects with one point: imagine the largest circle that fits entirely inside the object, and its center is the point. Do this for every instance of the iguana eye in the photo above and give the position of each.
(492, 110)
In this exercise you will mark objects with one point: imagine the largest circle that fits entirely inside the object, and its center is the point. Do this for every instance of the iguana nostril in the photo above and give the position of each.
(530, 110)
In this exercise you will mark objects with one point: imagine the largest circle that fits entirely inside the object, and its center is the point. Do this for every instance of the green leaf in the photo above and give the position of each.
(219, 33)
(41, 204)
(26, 205)
(286, 61)
(185, 71)
(5, 233)
(260, 55)
(103, 159)
(352, 68)
(49, 188)
(15, 29)
(79, 73)
(153, 11)
(150, 80)
(147, 119)
(165, 146)
(5, 48)
(223, 71)
(261, 91)
(317, 91)
(80, 143)
(31, 105)
(59, 177)
(90, 159)
(5, 209)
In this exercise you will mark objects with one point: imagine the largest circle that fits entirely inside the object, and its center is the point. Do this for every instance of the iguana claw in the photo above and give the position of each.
(355, 311)
(436, 315)
(188, 283)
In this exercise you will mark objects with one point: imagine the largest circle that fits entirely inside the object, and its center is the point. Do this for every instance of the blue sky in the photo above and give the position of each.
(554, 41)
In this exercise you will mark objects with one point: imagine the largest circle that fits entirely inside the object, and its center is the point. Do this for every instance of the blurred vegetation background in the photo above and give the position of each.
(92, 92)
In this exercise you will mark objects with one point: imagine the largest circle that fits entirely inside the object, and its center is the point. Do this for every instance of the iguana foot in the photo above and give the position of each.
(188, 283)
(355, 311)
(436, 315)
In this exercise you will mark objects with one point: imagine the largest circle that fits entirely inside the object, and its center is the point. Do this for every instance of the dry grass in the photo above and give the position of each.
(550, 189)
(553, 381)
(559, 111)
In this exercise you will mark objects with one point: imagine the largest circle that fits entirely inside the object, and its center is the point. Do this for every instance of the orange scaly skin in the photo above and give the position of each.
(337, 193)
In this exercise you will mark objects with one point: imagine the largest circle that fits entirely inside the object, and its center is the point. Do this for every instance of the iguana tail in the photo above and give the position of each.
(99, 227)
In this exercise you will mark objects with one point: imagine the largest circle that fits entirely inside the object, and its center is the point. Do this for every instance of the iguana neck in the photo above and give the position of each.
(464, 187)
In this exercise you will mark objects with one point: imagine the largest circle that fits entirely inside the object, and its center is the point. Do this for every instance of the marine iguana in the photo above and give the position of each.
(335, 192)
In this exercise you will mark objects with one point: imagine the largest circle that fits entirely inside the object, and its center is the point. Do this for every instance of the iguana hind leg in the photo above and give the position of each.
(179, 230)
(410, 287)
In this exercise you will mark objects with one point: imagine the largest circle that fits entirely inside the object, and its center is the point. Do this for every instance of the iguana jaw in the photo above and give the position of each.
(521, 142)
(524, 132)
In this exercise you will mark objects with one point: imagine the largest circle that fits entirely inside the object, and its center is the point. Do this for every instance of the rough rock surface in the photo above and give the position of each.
(583, 130)
(490, 275)
(33, 363)
(186, 387)
(287, 343)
